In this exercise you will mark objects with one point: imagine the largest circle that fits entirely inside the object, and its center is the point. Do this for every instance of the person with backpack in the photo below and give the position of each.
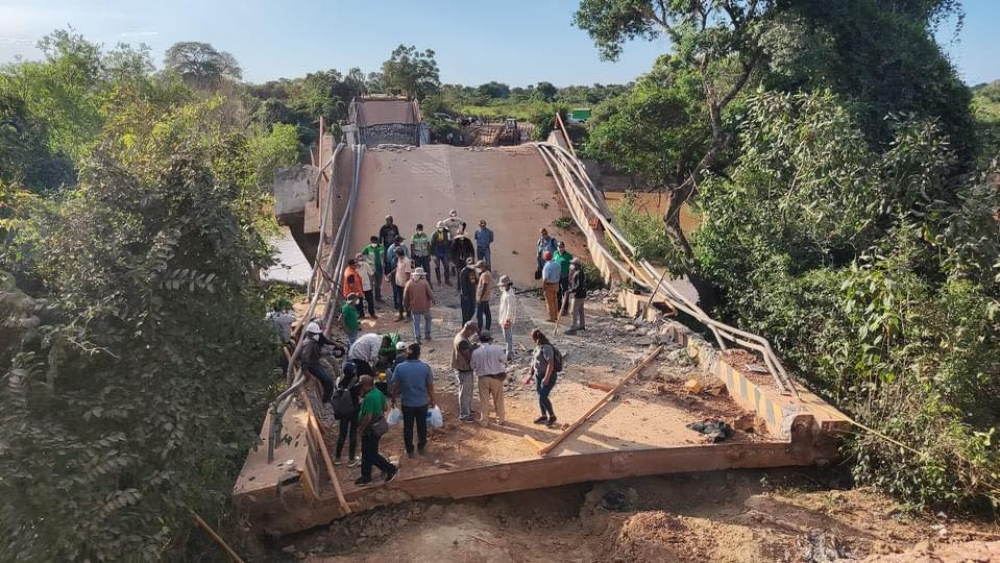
(413, 385)
(345, 410)
(546, 365)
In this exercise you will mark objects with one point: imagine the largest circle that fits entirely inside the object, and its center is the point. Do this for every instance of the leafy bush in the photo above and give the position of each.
(645, 232)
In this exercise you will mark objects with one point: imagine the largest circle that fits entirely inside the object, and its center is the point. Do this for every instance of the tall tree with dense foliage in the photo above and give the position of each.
(410, 72)
(201, 64)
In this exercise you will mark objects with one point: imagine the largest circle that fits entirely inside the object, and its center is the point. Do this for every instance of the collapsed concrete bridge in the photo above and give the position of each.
(517, 190)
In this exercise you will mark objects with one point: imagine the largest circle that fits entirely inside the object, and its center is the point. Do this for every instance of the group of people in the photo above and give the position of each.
(379, 372)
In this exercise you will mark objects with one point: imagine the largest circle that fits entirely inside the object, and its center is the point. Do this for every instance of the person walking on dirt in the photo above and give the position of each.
(484, 292)
(577, 296)
(544, 370)
(508, 313)
(550, 285)
(364, 270)
(309, 359)
(468, 283)
(420, 250)
(401, 273)
(461, 362)
(563, 258)
(484, 238)
(453, 223)
(440, 246)
(348, 420)
(374, 254)
(545, 244)
(413, 384)
(370, 415)
(388, 233)
(489, 365)
(461, 250)
(418, 298)
(349, 317)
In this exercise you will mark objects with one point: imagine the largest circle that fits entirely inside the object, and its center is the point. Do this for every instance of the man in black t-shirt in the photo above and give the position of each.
(468, 278)
(388, 233)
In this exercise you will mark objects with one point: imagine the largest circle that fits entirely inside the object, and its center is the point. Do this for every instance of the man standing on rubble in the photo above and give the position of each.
(440, 246)
(545, 244)
(563, 258)
(468, 282)
(508, 313)
(461, 249)
(418, 299)
(484, 238)
(453, 223)
(374, 254)
(349, 317)
(489, 366)
(420, 250)
(461, 362)
(400, 275)
(372, 411)
(413, 383)
(484, 292)
(388, 233)
(577, 296)
(550, 285)
(364, 270)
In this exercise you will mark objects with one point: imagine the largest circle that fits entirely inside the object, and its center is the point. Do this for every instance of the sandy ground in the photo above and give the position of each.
(730, 517)
(652, 411)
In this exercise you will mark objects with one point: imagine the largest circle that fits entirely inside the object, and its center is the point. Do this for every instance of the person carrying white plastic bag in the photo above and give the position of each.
(413, 383)
(435, 418)
(394, 417)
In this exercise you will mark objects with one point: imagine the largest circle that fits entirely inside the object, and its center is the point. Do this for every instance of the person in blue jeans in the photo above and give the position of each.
(544, 368)
(413, 385)
(484, 238)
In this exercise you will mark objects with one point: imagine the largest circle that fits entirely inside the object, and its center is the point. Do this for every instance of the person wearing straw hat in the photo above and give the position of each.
(418, 298)
(366, 273)
(440, 246)
(508, 313)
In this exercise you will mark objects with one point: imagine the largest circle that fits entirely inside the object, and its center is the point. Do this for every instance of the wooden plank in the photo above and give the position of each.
(597, 406)
(318, 434)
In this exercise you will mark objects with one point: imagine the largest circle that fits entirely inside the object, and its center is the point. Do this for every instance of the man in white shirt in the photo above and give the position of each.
(401, 275)
(453, 223)
(365, 272)
(508, 313)
(489, 365)
(365, 350)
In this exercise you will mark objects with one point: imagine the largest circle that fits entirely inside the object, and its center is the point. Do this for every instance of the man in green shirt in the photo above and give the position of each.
(349, 316)
(374, 254)
(373, 407)
(563, 258)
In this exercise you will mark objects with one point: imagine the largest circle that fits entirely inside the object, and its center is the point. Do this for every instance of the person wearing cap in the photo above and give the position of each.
(488, 363)
(563, 258)
(388, 233)
(364, 270)
(352, 284)
(349, 317)
(401, 272)
(420, 250)
(484, 292)
(453, 223)
(418, 298)
(468, 283)
(484, 238)
(461, 249)
(508, 313)
(545, 244)
(577, 295)
(413, 386)
(309, 359)
(374, 255)
(550, 285)
(461, 362)
(440, 246)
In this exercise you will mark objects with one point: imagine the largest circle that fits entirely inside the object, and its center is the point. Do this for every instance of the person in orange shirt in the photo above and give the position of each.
(352, 284)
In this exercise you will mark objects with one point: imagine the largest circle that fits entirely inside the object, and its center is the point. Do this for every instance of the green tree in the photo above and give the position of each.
(25, 154)
(410, 72)
(495, 90)
(201, 65)
(546, 91)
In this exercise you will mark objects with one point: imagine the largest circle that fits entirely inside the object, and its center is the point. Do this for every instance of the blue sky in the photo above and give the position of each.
(515, 41)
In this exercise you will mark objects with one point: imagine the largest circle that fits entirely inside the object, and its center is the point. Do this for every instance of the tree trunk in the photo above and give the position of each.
(707, 293)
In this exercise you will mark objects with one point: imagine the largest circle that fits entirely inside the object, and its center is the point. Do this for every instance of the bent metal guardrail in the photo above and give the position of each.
(579, 192)
(323, 282)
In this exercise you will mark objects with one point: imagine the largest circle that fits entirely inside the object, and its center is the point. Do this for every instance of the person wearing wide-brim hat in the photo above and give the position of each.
(418, 298)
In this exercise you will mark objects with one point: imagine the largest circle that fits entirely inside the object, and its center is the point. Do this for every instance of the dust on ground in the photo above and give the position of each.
(738, 516)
